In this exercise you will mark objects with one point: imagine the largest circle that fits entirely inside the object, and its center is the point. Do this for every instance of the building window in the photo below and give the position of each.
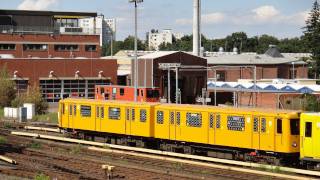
(236, 123)
(62, 47)
(7, 46)
(194, 120)
(91, 47)
(121, 91)
(143, 115)
(114, 113)
(85, 111)
(159, 117)
(35, 47)
(221, 76)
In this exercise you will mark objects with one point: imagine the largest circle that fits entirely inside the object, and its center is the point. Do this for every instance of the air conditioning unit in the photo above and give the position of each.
(70, 30)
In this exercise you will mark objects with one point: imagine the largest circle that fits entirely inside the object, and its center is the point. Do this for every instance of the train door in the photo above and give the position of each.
(129, 118)
(278, 133)
(267, 129)
(211, 131)
(99, 117)
(172, 125)
(70, 116)
(256, 133)
(307, 139)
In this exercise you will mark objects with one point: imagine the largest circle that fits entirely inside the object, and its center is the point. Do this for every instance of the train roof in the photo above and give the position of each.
(184, 106)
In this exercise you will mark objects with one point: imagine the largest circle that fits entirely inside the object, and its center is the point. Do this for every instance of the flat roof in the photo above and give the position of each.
(46, 13)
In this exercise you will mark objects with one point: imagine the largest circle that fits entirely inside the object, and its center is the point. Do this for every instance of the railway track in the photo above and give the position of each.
(60, 160)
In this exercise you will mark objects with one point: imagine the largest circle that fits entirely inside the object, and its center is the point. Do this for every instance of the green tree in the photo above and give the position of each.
(34, 96)
(312, 35)
(264, 42)
(126, 44)
(7, 88)
(237, 40)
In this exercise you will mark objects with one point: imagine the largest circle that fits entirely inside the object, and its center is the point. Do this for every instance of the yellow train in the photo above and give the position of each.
(244, 134)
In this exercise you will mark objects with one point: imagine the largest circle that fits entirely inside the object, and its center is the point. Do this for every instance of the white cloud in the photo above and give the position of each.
(212, 18)
(36, 4)
(265, 13)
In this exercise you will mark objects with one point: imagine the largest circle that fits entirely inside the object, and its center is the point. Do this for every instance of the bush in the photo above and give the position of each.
(7, 88)
(41, 176)
(34, 96)
(311, 103)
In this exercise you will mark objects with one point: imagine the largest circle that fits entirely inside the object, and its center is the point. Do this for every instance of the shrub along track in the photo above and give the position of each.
(71, 161)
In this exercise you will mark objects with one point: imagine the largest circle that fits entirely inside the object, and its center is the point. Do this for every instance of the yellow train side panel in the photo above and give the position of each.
(310, 136)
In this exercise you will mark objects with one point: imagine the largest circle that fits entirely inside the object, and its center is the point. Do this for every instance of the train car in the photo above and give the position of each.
(228, 132)
(106, 118)
(126, 93)
(310, 139)
(223, 132)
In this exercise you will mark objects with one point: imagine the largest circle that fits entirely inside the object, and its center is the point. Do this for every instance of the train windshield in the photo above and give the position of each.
(295, 126)
(152, 93)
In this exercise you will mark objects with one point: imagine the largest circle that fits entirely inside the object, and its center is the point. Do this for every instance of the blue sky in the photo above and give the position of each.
(281, 18)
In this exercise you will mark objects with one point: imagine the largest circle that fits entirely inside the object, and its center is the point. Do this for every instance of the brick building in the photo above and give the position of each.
(49, 49)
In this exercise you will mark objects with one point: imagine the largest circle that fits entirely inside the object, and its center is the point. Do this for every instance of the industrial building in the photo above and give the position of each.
(51, 50)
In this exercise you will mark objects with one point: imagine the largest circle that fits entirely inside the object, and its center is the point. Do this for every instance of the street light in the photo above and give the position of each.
(135, 46)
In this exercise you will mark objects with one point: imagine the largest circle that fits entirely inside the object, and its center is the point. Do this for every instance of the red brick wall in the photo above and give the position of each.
(36, 68)
(80, 40)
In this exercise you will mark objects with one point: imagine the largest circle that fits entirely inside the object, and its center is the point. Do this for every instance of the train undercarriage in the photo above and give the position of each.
(239, 154)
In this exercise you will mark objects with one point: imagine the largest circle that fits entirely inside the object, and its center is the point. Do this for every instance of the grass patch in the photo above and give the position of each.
(35, 145)
(41, 176)
(7, 125)
(3, 140)
(76, 149)
(1, 113)
(48, 117)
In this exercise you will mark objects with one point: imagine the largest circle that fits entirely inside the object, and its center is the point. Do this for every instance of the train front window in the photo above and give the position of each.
(152, 93)
(295, 126)
(308, 130)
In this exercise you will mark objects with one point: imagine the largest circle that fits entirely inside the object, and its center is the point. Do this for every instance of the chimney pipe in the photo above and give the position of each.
(196, 27)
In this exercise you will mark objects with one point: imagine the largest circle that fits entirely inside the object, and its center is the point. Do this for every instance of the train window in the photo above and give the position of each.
(236, 123)
(171, 117)
(114, 113)
(308, 131)
(121, 91)
(102, 112)
(152, 93)
(70, 110)
(97, 112)
(194, 119)
(218, 123)
(62, 109)
(85, 111)
(211, 120)
(74, 110)
(279, 126)
(143, 115)
(178, 118)
(263, 125)
(160, 117)
(255, 124)
(127, 114)
(133, 114)
(295, 126)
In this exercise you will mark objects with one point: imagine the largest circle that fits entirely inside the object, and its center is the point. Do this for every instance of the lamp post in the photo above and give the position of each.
(135, 46)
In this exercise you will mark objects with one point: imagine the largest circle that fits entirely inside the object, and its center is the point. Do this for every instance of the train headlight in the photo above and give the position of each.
(294, 144)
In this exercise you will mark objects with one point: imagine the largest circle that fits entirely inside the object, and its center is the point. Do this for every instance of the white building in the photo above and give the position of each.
(105, 27)
(156, 38)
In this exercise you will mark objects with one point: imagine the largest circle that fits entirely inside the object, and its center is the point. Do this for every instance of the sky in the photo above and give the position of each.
(280, 18)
